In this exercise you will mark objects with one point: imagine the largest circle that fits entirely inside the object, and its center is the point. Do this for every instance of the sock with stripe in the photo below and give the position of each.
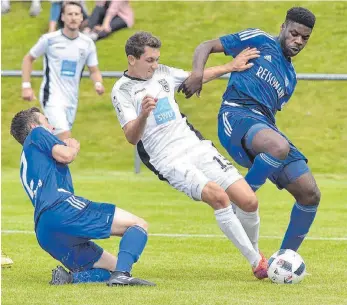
(263, 166)
(301, 220)
(91, 276)
(130, 248)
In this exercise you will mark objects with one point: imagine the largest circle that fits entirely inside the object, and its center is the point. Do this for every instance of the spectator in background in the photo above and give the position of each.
(35, 7)
(108, 17)
(55, 21)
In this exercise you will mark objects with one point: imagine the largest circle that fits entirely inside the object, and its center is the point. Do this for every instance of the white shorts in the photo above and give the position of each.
(59, 116)
(191, 172)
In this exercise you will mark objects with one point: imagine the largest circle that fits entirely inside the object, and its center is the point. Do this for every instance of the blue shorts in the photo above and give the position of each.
(65, 230)
(233, 126)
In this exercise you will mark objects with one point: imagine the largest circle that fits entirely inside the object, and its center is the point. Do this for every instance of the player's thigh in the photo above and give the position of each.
(262, 138)
(106, 261)
(185, 177)
(123, 220)
(215, 167)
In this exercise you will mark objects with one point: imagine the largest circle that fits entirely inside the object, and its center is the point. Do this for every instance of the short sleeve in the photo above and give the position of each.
(92, 59)
(179, 76)
(40, 47)
(233, 44)
(123, 105)
(44, 140)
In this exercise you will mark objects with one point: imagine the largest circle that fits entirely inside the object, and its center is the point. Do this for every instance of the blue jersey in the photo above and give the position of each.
(46, 181)
(269, 84)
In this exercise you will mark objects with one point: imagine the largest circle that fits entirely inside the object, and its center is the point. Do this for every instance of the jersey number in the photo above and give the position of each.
(23, 177)
(223, 162)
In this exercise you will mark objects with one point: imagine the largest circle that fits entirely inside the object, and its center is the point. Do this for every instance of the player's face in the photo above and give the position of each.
(293, 38)
(146, 65)
(44, 122)
(72, 17)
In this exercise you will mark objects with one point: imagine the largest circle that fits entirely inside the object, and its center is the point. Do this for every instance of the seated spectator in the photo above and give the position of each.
(35, 7)
(55, 21)
(108, 17)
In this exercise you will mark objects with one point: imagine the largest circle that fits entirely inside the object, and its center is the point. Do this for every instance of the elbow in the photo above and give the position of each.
(132, 141)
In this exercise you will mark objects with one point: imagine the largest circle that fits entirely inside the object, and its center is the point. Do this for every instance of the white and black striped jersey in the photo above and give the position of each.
(64, 61)
(167, 133)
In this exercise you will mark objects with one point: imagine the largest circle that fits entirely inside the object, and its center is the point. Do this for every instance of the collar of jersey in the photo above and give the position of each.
(133, 78)
(62, 33)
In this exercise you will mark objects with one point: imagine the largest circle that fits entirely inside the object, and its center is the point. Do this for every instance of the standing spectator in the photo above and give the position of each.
(35, 7)
(66, 52)
(108, 17)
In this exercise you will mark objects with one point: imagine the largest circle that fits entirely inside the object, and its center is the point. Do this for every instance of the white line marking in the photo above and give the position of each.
(196, 235)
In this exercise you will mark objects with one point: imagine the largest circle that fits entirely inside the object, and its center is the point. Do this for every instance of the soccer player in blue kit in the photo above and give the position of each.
(65, 222)
(246, 120)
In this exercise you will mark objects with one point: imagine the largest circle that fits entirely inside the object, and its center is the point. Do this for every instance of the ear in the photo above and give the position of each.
(283, 26)
(131, 60)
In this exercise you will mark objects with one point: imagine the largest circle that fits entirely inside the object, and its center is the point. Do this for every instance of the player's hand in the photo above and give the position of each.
(28, 94)
(193, 84)
(72, 142)
(240, 62)
(147, 105)
(99, 88)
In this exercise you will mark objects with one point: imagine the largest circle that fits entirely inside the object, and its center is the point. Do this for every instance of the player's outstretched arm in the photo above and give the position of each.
(27, 67)
(193, 84)
(240, 63)
(66, 154)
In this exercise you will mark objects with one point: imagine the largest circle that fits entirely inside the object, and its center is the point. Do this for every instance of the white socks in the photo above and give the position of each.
(251, 223)
(232, 228)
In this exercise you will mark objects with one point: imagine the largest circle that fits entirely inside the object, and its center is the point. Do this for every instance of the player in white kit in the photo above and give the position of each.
(150, 117)
(66, 52)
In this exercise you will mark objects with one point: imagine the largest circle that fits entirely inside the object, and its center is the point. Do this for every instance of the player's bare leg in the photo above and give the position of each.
(230, 225)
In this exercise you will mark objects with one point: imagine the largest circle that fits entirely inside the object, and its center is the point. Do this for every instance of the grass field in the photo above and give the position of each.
(195, 269)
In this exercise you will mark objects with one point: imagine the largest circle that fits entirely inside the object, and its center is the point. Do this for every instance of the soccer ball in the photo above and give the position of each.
(286, 267)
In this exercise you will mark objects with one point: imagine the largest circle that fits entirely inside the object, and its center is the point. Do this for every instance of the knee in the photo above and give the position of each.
(280, 149)
(142, 223)
(311, 196)
(215, 196)
(250, 203)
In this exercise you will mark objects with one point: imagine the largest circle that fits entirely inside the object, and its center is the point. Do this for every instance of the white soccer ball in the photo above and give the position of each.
(286, 267)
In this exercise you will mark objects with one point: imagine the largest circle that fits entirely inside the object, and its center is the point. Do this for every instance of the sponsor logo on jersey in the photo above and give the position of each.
(164, 84)
(268, 77)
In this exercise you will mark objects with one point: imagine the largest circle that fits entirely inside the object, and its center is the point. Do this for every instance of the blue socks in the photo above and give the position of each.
(130, 248)
(91, 276)
(301, 220)
(263, 166)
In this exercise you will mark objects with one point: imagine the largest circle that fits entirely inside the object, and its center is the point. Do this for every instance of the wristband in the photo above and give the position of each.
(98, 85)
(26, 85)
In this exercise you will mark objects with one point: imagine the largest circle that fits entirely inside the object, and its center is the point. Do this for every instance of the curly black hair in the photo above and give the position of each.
(301, 15)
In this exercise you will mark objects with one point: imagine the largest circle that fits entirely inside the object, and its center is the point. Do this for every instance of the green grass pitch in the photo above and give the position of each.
(187, 255)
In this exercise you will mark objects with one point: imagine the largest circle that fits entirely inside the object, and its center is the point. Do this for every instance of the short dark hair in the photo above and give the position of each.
(301, 15)
(20, 125)
(136, 44)
(70, 3)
